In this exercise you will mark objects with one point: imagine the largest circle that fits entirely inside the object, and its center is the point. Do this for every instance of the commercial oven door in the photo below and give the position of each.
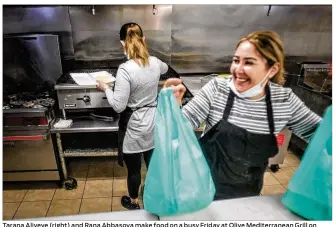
(29, 157)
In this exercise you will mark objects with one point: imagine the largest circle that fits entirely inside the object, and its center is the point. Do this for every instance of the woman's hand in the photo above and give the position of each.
(101, 85)
(178, 88)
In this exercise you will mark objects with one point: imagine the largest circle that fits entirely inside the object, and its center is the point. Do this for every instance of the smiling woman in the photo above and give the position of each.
(244, 113)
(258, 58)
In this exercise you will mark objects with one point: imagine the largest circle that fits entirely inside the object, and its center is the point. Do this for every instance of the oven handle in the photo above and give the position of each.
(22, 138)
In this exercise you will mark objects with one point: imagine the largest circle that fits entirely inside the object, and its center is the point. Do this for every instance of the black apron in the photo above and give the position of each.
(238, 158)
(123, 121)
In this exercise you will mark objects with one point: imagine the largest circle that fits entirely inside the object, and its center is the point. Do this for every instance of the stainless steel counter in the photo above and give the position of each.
(134, 215)
(259, 208)
(80, 125)
(263, 208)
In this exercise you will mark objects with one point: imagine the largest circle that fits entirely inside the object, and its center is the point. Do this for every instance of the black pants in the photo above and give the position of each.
(133, 163)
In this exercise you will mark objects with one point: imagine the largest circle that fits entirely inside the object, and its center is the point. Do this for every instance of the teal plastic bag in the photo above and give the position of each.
(309, 191)
(178, 179)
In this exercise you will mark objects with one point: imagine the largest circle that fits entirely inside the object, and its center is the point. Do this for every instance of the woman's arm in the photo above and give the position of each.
(197, 109)
(118, 98)
(303, 122)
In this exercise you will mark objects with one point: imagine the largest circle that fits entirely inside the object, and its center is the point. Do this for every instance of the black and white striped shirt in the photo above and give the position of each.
(288, 110)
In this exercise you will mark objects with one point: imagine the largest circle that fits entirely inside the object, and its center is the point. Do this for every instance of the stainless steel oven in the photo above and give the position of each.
(28, 151)
(29, 156)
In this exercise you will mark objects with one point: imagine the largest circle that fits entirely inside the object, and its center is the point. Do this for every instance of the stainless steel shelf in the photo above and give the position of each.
(80, 125)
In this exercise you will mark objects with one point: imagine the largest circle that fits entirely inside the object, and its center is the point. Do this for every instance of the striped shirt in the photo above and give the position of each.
(288, 110)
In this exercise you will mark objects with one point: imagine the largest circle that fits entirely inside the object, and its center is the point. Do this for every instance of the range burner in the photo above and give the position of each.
(28, 100)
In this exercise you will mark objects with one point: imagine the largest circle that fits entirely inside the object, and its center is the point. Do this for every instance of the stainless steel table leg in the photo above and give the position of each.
(69, 182)
(64, 114)
(61, 155)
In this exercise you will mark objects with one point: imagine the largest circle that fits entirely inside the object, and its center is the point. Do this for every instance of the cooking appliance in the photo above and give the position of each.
(28, 152)
(31, 66)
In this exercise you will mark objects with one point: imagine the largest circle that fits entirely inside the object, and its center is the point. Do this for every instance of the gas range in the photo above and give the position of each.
(27, 118)
(28, 111)
(72, 96)
(26, 100)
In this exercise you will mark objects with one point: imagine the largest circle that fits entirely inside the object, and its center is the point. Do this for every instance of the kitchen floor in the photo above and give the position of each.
(101, 183)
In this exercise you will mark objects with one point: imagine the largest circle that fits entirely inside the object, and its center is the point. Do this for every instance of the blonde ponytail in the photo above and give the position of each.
(135, 45)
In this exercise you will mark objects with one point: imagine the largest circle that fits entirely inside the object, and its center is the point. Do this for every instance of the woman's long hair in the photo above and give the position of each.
(135, 46)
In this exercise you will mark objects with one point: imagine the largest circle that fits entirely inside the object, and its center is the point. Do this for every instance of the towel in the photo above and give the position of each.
(63, 123)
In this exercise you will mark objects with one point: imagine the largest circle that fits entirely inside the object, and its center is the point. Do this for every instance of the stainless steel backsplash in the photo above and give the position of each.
(192, 38)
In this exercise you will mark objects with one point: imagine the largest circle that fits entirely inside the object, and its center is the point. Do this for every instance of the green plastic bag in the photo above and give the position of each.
(309, 192)
(178, 179)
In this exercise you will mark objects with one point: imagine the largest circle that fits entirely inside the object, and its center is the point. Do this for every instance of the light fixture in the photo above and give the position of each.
(269, 10)
(155, 11)
(93, 11)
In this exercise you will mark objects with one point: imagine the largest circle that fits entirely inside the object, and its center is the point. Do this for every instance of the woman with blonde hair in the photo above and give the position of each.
(135, 98)
(244, 113)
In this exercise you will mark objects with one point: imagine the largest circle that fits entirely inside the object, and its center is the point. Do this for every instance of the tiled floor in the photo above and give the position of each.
(101, 183)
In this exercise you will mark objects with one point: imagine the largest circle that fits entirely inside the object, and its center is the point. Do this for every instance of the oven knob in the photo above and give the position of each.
(86, 98)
